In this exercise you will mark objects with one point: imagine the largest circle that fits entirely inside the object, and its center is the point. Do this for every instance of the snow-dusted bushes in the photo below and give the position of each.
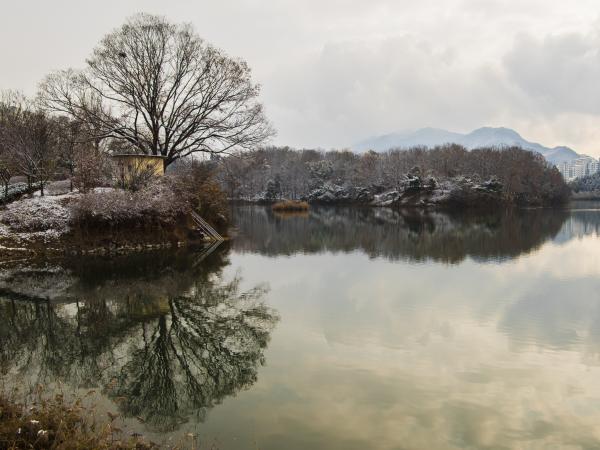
(160, 210)
(38, 214)
(16, 190)
(163, 201)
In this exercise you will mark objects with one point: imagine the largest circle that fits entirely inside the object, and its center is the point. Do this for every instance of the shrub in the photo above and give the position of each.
(290, 205)
(60, 425)
(161, 202)
(588, 183)
(137, 176)
(205, 193)
(92, 169)
(38, 214)
(14, 191)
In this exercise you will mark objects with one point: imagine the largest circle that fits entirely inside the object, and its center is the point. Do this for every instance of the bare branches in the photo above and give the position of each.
(27, 139)
(160, 89)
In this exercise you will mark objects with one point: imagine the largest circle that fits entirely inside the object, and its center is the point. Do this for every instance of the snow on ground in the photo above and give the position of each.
(42, 282)
(100, 190)
(48, 214)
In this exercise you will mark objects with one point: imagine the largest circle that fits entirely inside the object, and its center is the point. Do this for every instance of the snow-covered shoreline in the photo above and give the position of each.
(48, 225)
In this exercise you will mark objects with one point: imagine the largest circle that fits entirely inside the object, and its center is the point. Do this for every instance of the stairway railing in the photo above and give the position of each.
(206, 228)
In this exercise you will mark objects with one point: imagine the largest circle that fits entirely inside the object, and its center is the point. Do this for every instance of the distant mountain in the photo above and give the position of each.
(482, 137)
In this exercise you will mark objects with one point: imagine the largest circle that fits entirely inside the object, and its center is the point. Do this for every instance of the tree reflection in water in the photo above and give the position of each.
(407, 235)
(164, 335)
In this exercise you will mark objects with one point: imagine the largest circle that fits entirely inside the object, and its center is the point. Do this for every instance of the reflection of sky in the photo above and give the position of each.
(375, 354)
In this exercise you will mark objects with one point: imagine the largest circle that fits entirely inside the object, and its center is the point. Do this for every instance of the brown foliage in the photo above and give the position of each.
(290, 205)
(54, 423)
(206, 195)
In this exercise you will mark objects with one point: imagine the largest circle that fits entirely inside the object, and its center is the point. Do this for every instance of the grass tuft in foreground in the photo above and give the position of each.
(59, 425)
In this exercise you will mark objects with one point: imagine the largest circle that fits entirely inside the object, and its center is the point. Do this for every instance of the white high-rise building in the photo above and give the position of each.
(580, 167)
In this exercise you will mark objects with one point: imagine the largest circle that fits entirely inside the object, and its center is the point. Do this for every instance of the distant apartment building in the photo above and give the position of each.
(580, 167)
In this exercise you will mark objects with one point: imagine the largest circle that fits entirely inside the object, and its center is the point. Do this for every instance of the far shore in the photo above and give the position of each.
(592, 195)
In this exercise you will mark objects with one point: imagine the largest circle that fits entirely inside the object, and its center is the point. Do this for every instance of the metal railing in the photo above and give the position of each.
(206, 228)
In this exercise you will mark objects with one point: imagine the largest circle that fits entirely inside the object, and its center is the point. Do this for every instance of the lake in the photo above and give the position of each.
(343, 328)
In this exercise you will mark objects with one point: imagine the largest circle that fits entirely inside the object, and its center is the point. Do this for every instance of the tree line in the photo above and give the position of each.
(588, 183)
(40, 146)
(282, 172)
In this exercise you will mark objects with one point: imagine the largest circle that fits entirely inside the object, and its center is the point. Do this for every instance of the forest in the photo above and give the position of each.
(510, 174)
(586, 185)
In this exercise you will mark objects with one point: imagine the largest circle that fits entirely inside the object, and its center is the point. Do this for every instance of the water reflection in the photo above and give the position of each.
(165, 335)
(410, 235)
(394, 330)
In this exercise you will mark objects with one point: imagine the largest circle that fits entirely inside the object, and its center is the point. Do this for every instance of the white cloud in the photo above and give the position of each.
(560, 72)
(354, 87)
(335, 71)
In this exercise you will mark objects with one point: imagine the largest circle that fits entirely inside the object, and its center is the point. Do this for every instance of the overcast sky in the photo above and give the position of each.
(337, 71)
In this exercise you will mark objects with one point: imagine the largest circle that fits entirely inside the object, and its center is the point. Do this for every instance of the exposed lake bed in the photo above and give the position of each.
(341, 328)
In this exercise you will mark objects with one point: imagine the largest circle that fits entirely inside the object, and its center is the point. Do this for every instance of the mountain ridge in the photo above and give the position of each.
(480, 137)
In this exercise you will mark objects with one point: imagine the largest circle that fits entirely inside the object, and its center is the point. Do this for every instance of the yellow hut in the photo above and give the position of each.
(129, 168)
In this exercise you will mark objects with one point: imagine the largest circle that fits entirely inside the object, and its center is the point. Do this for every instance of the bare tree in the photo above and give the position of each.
(5, 172)
(70, 137)
(160, 89)
(12, 106)
(28, 137)
(92, 167)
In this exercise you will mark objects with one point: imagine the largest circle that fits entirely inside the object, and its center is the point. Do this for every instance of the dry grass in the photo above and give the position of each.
(54, 423)
(290, 206)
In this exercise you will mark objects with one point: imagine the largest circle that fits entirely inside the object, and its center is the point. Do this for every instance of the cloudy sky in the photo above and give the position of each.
(337, 71)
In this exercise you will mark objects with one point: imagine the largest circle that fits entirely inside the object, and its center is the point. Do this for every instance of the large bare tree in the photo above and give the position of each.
(158, 88)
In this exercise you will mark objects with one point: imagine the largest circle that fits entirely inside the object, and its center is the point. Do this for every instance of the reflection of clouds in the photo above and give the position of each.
(368, 397)
(558, 315)
(575, 259)
(392, 355)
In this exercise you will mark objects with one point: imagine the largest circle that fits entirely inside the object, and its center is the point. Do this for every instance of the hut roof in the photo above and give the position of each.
(138, 155)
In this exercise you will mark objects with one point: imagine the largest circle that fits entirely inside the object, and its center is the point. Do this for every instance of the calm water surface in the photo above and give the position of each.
(339, 329)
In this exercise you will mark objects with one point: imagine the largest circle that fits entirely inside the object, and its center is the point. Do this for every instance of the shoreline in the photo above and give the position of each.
(16, 246)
